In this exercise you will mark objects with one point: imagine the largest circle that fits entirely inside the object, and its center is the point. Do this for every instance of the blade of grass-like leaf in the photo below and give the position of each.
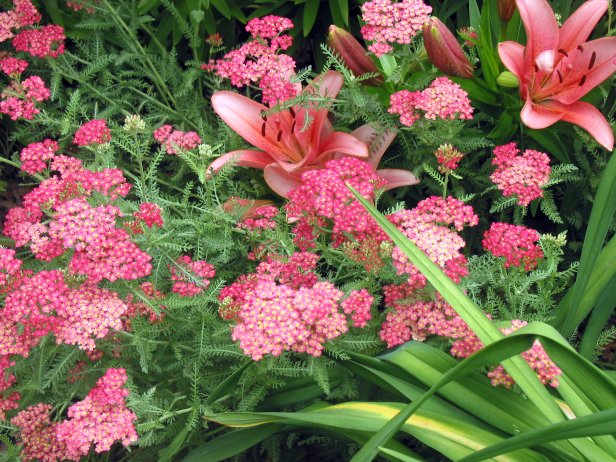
(227, 385)
(601, 423)
(601, 218)
(598, 319)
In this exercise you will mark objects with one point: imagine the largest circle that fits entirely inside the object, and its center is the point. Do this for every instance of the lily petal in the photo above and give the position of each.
(243, 115)
(541, 28)
(345, 143)
(242, 158)
(512, 56)
(397, 178)
(539, 116)
(580, 24)
(588, 117)
(377, 142)
(598, 55)
(280, 181)
(324, 86)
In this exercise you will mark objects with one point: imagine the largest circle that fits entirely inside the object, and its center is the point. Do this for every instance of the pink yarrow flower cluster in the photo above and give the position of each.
(23, 14)
(43, 42)
(191, 277)
(9, 400)
(283, 307)
(522, 175)
(19, 99)
(429, 227)
(34, 155)
(260, 61)
(13, 67)
(92, 132)
(536, 358)
(443, 99)
(100, 419)
(324, 199)
(518, 244)
(260, 218)
(448, 158)
(392, 21)
(173, 140)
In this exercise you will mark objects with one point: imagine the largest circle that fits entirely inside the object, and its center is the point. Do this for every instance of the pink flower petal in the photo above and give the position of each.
(345, 143)
(539, 116)
(541, 28)
(280, 181)
(397, 178)
(579, 25)
(244, 116)
(377, 142)
(243, 158)
(588, 117)
(512, 56)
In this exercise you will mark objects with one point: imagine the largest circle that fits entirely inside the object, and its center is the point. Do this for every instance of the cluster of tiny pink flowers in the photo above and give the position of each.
(38, 436)
(518, 244)
(259, 60)
(135, 307)
(391, 21)
(100, 419)
(43, 42)
(13, 67)
(443, 99)
(19, 99)
(275, 318)
(191, 277)
(427, 226)
(448, 158)
(10, 400)
(34, 155)
(173, 140)
(522, 175)
(324, 195)
(23, 14)
(261, 218)
(536, 358)
(149, 214)
(358, 304)
(92, 132)
(284, 307)
(9, 266)
(416, 319)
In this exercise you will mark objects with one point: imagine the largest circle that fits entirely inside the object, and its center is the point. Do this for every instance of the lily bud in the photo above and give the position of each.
(506, 8)
(353, 55)
(444, 50)
(507, 80)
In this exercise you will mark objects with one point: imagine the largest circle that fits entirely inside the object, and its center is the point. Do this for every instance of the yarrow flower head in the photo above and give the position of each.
(34, 155)
(428, 226)
(191, 277)
(443, 99)
(324, 197)
(92, 132)
(517, 244)
(522, 175)
(13, 67)
(23, 14)
(391, 21)
(43, 42)
(100, 419)
(448, 158)
(260, 61)
(150, 214)
(19, 99)
(173, 140)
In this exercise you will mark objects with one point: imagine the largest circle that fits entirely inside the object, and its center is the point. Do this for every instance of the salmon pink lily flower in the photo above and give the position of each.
(299, 138)
(558, 66)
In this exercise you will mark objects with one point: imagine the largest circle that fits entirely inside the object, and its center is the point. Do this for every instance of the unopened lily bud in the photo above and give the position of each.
(506, 8)
(352, 53)
(444, 50)
(507, 80)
